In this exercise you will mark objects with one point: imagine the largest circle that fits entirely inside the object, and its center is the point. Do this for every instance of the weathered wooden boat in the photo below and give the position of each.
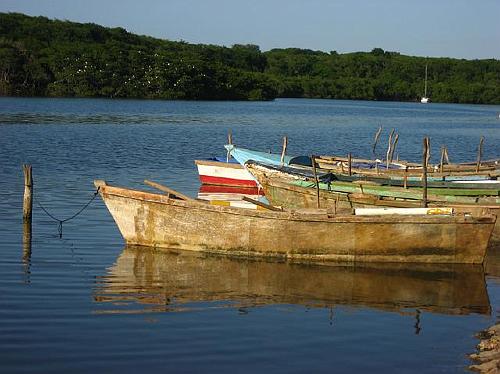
(156, 220)
(470, 187)
(488, 169)
(397, 171)
(224, 172)
(171, 280)
(296, 191)
(437, 192)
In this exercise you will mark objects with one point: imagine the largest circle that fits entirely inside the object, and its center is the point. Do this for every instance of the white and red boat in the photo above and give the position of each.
(218, 171)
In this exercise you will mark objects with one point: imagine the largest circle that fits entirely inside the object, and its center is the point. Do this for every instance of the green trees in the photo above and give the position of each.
(41, 57)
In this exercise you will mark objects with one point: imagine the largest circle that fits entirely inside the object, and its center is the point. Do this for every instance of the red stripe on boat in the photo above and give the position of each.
(206, 179)
(205, 188)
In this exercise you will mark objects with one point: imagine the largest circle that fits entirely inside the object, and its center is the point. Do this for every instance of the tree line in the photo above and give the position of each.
(43, 57)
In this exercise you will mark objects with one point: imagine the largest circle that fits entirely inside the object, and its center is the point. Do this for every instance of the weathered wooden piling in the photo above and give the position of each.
(316, 181)
(441, 161)
(28, 193)
(26, 241)
(283, 152)
(389, 147)
(479, 153)
(393, 148)
(27, 211)
(229, 141)
(425, 160)
(349, 162)
(375, 140)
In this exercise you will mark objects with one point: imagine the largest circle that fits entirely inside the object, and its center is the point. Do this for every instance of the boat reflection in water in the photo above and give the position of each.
(148, 280)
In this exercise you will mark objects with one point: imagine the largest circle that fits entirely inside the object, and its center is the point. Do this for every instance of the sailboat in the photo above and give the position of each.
(425, 99)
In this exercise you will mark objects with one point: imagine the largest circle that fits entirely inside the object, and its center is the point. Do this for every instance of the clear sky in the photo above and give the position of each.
(442, 28)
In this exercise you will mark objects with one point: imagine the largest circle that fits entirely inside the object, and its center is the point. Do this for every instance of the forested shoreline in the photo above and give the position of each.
(52, 58)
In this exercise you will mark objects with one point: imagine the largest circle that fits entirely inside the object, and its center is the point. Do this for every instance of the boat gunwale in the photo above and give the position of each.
(323, 215)
(219, 164)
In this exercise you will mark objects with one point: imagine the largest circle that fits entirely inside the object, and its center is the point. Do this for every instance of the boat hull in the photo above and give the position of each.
(159, 221)
(224, 174)
(283, 191)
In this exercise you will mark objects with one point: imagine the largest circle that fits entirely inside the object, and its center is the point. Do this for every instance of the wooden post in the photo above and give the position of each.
(441, 162)
(28, 193)
(389, 148)
(405, 178)
(425, 159)
(230, 142)
(446, 155)
(313, 161)
(349, 163)
(375, 141)
(479, 153)
(283, 152)
(394, 144)
(26, 241)
(27, 212)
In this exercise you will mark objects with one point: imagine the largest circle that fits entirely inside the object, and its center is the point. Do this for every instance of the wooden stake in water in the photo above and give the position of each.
(389, 148)
(28, 193)
(479, 153)
(441, 162)
(230, 142)
(283, 152)
(394, 145)
(425, 160)
(349, 163)
(313, 161)
(375, 140)
(27, 211)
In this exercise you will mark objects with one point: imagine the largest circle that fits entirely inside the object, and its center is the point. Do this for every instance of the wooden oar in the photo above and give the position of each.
(260, 203)
(168, 190)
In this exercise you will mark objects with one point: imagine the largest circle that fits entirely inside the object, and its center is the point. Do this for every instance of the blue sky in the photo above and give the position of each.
(440, 28)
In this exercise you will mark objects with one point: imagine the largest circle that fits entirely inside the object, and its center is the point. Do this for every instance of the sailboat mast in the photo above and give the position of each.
(425, 86)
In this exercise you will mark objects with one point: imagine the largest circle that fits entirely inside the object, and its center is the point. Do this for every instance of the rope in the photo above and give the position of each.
(61, 221)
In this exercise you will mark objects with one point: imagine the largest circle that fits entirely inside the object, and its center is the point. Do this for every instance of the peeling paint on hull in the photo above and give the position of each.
(159, 221)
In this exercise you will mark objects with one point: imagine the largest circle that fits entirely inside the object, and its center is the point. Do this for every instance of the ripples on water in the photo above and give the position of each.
(84, 303)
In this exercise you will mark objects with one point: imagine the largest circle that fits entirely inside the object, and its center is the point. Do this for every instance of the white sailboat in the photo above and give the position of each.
(425, 99)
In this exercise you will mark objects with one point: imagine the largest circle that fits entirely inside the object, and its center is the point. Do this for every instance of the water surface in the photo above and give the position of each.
(86, 303)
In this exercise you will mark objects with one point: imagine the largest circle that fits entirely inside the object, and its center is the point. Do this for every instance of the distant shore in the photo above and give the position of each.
(51, 58)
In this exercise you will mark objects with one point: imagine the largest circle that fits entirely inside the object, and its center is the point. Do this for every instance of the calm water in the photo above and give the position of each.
(85, 303)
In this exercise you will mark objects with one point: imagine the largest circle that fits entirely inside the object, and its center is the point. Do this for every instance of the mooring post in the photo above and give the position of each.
(230, 142)
(389, 148)
(441, 162)
(425, 159)
(349, 162)
(27, 211)
(479, 154)
(375, 140)
(316, 181)
(26, 241)
(28, 193)
(283, 152)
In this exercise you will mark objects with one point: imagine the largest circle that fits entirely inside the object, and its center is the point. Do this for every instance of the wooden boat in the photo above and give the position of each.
(216, 171)
(478, 187)
(294, 191)
(156, 220)
(144, 279)
(487, 170)
(396, 170)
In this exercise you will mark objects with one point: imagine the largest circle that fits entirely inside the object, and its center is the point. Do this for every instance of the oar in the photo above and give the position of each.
(260, 203)
(168, 190)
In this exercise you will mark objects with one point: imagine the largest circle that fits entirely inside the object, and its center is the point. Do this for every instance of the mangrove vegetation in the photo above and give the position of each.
(43, 57)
